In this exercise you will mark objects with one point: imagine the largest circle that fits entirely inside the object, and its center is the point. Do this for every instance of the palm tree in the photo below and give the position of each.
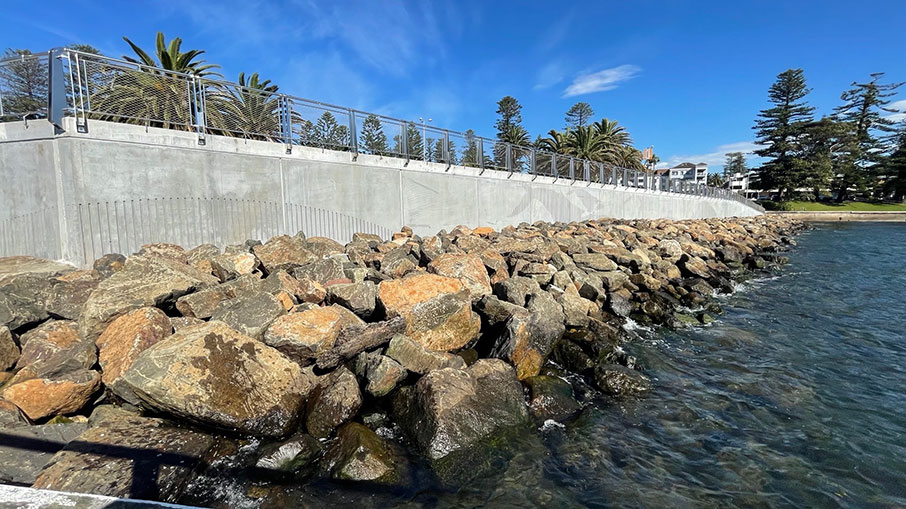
(250, 110)
(518, 137)
(157, 93)
(170, 58)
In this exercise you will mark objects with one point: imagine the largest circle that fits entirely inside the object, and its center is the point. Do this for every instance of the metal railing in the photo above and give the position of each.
(88, 86)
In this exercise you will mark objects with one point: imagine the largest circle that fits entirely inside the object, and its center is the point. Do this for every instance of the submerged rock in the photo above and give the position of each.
(617, 380)
(359, 454)
(214, 375)
(551, 398)
(290, 456)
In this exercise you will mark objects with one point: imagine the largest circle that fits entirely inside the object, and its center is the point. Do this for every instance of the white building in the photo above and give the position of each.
(690, 172)
(741, 183)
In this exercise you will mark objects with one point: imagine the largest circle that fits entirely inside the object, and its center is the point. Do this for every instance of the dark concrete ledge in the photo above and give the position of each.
(844, 215)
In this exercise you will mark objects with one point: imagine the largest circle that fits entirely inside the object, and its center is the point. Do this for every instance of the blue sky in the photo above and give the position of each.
(686, 77)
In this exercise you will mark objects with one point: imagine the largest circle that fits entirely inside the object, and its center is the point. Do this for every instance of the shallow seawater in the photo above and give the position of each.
(796, 396)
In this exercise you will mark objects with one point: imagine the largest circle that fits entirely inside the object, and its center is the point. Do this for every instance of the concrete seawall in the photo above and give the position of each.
(76, 196)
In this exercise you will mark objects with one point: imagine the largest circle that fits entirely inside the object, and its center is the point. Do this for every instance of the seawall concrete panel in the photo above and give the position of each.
(77, 196)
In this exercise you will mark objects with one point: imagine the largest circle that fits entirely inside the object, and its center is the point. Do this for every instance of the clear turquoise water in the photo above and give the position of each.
(796, 396)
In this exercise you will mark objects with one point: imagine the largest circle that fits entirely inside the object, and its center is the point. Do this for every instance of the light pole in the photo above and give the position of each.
(424, 138)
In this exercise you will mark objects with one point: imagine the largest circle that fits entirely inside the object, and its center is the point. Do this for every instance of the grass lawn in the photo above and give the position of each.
(851, 205)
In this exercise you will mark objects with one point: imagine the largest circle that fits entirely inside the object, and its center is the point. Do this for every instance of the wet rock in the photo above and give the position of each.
(213, 375)
(250, 314)
(290, 456)
(359, 454)
(123, 340)
(44, 397)
(283, 253)
(335, 400)
(25, 450)
(571, 356)
(69, 293)
(53, 348)
(416, 358)
(144, 281)
(382, 373)
(450, 409)
(109, 263)
(468, 268)
(516, 290)
(551, 398)
(129, 458)
(360, 298)
(694, 267)
(437, 309)
(620, 302)
(321, 271)
(232, 265)
(9, 350)
(617, 380)
(305, 335)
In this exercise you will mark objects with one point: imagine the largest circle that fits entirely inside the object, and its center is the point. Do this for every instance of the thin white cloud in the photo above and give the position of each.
(549, 75)
(600, 81)
(716, 158)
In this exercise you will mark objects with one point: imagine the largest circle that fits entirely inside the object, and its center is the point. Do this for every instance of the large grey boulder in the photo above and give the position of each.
(129, 457)
(322, 271)
(381, 372)
(25, 289)
(283, 253)
(250, 314)
(69, 293)
(360, 298)
(417, 359)
(529, 335)
(450, 409)
(143, 281)
(214, 375)
(53, 348)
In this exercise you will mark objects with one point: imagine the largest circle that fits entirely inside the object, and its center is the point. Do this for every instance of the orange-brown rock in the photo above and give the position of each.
(305, 335)
(468, 268)
(53, 348)
(44, 397)
(438, 310)
(283, 253)
(123, 340)
(483, 231)
(214, 375)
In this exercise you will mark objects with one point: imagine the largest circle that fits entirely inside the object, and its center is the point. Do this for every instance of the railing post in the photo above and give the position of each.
(555, 172)
(587, 171)
(56, 88)
(446, 154)
(404, 139)
(572, 169)
(480, 156)
(509, 158)
(286, 124)
(601, 173)
(353, 139)
(532, 161)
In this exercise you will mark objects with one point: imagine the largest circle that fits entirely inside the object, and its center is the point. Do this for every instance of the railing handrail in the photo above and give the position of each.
(515, 157)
